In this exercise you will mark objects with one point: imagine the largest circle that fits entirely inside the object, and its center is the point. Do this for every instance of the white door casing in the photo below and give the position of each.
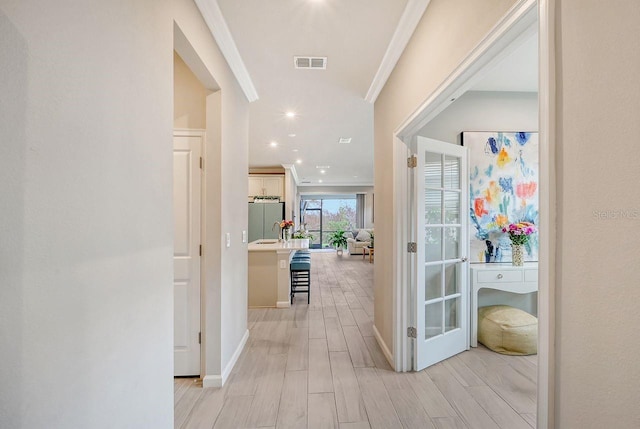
(441, 267)
(187, 185)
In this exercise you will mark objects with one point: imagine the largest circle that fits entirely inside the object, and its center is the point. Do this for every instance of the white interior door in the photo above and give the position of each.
(441, 292)
(187, 182)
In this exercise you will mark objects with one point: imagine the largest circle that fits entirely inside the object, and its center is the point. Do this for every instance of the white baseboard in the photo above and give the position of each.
(219, 380)
(283, 304)
(384, 347)
(212, 381)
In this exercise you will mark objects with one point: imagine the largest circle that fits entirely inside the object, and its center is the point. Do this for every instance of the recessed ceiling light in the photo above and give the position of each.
(355, 176)
(295, 150)
(292, 135)
(273, 144)
(323, 171)
(323, 167)
(291, 114)
(320, 181)
(298, 161)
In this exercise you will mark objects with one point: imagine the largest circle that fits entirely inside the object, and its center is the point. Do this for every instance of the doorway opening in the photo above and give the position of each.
(515, 30)
(196, 135)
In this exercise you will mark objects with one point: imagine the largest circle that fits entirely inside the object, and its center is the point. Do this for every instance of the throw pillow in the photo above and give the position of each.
(363, 235)
(348, 235)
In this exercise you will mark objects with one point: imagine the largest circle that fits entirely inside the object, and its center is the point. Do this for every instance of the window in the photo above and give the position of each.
(327, 214)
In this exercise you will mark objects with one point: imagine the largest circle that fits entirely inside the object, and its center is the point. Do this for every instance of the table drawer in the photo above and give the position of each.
(531, 276)
(499, 276)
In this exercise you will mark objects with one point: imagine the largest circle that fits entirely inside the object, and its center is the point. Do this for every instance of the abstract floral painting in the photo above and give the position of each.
(503, 189)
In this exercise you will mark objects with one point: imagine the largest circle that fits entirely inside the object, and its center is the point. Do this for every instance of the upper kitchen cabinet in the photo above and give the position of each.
(266, 186)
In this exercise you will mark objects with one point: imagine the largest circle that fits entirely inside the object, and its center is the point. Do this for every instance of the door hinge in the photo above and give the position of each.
(412, 162)
(199, 337)
(412, 247)
(200, 250)
(201, 164)
(412, 332)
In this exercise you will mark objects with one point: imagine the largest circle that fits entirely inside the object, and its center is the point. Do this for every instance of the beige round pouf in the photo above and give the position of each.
(508, 330)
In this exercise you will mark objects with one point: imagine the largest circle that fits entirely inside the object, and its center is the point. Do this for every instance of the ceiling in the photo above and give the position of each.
(328, 104)
(517, 72)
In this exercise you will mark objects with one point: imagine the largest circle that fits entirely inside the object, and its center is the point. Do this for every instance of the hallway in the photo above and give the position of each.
(319, 366)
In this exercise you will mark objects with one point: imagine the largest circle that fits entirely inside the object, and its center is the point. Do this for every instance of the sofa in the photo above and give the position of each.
(357, 240)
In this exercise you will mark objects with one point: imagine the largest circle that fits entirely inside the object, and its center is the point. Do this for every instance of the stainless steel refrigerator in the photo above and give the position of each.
(262, 219)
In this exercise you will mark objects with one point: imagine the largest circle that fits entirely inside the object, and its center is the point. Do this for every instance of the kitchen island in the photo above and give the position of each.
(269, 279)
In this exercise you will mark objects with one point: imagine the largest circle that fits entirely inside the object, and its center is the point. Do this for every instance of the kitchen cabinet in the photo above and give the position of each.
(266, 186)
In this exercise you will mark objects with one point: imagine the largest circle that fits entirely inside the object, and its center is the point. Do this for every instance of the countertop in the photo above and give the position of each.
(272, 245)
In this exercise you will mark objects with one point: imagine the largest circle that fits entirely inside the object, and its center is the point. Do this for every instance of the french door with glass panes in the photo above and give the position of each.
(441, 290)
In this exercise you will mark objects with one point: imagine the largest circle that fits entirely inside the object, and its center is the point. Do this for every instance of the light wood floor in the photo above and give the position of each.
(319, 366)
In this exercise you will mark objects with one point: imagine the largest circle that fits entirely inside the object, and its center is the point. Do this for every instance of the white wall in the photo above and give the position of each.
(485, 111)
(86, 281)
(598, 165)
(86, 238)
(189, 97)
(446, 33)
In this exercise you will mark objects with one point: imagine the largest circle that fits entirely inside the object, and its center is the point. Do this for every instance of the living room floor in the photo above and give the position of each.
(319, 366)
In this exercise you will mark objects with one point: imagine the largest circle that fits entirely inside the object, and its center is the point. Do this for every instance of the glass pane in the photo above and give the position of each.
(451, 172)
(451, 307)
(433, 206)
(433, 282)
(314, 241)
(451, 207)
(433, 244)
(312, 220)
(338, 214)
(432, 170)
(452, 242)
(433, 320)
(311, 204)
(451, 279)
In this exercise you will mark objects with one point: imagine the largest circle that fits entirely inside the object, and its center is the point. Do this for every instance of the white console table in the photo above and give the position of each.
(504, 277)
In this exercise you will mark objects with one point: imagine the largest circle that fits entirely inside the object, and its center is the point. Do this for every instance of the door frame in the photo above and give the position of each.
(193, 132)
(521, 21)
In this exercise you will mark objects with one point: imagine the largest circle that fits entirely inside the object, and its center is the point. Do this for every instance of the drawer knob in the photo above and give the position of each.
(499, 276)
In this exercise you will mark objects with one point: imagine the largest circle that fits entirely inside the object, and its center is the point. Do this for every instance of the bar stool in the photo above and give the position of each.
(300, 271)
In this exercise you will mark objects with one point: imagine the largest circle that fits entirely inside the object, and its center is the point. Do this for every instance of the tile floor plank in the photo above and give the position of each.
(298, 354)
(320, 377)
(335, 336)
(316, 324)
(467, 408)
(377, 355)
(264, 408)
(322, 411)
(358, 350)
(293, 402)
(449, 423)
(405, 401)
(349, 403)
(380, 410)
(206, 410)
(234, 412)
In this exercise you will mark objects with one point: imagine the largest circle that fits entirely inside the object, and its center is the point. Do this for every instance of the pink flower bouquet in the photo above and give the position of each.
(519, 232)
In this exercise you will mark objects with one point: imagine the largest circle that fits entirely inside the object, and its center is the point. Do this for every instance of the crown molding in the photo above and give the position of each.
(294, 173)
(220, 30)
(406, 26)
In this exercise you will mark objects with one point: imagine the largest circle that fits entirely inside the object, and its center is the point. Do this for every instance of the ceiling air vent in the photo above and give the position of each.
(344, 140)
(317, 63)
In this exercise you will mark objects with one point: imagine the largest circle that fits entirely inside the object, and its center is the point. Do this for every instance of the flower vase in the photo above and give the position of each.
(286, 234)
(517, 255)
